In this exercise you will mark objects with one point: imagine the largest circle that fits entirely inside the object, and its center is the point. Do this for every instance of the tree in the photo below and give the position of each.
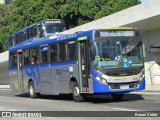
(4, 11)
(22, 13)
(108, 7)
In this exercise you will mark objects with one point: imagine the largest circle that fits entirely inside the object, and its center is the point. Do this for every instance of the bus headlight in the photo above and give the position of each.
(102, 80)
(141, 78)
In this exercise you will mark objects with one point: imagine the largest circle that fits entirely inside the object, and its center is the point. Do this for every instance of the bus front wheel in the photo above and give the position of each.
(76, 93)
(31, 89)
(117, 96)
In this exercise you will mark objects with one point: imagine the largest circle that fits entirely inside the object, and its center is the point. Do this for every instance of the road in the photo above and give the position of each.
(12, 101)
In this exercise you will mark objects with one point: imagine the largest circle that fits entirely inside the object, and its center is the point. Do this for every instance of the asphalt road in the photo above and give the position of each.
(12, 101)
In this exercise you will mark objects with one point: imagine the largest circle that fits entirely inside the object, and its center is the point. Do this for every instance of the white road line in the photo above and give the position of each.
(122, 109)
(39, 100)
(11, 110)
(145, 93)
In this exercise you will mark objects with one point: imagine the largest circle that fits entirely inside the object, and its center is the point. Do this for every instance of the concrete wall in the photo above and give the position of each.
(4, 74)
(151, 39)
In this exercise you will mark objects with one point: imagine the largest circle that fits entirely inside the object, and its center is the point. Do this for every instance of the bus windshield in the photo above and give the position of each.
(119, 53)
(52, 28)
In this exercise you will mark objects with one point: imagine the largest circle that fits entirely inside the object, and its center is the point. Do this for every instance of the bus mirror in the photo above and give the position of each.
(82, 38)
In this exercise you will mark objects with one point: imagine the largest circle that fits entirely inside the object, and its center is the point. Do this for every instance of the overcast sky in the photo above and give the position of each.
(144, 1)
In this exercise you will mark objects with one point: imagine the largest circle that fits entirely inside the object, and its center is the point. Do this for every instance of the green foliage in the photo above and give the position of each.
(22, 13)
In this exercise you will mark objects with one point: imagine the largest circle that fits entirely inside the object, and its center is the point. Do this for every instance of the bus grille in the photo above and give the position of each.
(117, 85)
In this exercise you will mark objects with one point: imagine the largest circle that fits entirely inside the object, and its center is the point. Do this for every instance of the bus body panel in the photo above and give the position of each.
(54, 78)
(48, 79)
(102, 88)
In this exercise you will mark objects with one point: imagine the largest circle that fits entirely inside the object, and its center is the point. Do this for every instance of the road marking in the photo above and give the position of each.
(39, 100)
(11, 110)
(145, 93)
(122, 109)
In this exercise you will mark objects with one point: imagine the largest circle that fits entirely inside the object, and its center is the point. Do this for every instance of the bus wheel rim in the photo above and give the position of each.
(31, 90)
(76, 91)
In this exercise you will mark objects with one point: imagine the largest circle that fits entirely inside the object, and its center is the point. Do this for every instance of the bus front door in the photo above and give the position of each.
(19, 70)
(83, 64)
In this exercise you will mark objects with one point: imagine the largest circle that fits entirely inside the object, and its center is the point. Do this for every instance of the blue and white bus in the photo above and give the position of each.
(100, 61)
(41, 29)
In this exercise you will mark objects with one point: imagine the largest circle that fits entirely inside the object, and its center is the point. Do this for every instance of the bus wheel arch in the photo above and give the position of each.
(72, 80)
(75, 90)
(31, 89)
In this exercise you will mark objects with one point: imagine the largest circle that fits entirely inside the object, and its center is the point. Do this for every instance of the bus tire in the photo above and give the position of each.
(31, 90)
(77, 97)
(117, 96)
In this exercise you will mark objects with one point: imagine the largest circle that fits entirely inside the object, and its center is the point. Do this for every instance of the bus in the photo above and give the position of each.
(1, 46)
(99, 61)
(41, 29)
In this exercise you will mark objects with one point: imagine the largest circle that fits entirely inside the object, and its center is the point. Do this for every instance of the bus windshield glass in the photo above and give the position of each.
(118, 53)
(51, 28)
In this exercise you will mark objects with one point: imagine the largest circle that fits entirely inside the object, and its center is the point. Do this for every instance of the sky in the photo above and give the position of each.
(143, 1)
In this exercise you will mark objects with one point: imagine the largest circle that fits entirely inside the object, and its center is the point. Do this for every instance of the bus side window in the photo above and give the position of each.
(53, 53)
(44, 54)
(72, 50)
(24, 35)
(27, 57)
(13, 59)
(28, 33)
(34, 56)
(35, 30)
(62, 51)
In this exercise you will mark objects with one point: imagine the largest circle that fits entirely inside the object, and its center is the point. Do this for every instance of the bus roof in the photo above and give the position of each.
(62, 37)
(21, 30)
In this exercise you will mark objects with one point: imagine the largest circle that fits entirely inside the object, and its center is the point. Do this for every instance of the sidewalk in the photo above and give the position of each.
(152, 88)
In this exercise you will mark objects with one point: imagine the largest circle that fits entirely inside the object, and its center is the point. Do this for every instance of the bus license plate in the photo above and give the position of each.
(124, 87)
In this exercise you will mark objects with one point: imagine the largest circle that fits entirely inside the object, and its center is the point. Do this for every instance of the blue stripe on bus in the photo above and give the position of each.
(47, 65)
(12, 68)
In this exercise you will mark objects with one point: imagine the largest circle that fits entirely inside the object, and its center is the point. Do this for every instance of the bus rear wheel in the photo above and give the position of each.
(31, 89)
(117, 96)
(76, 93)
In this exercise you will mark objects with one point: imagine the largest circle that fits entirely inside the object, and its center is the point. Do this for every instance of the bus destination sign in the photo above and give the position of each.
(115, 33)
(54, 21)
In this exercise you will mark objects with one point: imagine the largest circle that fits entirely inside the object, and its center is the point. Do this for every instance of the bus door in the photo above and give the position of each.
(83, 58)
(19, 70)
